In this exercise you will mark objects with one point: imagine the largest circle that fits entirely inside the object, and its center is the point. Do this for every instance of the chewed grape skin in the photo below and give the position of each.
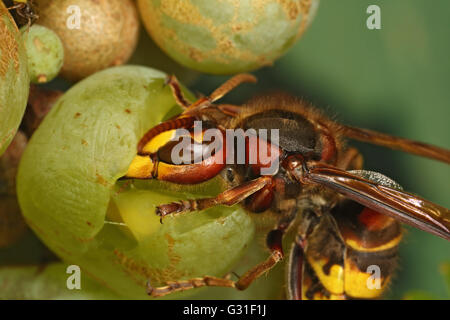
(69, 193)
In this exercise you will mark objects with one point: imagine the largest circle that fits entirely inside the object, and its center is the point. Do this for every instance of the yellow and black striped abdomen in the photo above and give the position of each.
(350, 253)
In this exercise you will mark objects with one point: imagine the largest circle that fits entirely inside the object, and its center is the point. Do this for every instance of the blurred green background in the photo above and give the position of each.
(394, 80)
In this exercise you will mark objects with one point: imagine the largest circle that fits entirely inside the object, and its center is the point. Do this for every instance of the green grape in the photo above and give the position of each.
(14, 80)
(69, 192)
(269, 287)
(45, 53)
(47, 282)
(224, 37)
(95, 34)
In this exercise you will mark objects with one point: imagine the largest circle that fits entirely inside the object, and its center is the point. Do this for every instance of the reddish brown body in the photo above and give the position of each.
(347, 218)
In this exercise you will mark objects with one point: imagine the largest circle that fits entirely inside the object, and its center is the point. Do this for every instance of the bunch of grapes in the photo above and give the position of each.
(74, 144)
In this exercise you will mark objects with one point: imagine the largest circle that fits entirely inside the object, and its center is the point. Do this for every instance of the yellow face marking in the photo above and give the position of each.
(357, 246)
(140, 167)
(165, 169)
(158, 141)
(334, 282)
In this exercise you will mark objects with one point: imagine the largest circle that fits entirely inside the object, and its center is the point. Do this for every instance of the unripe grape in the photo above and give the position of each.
(14, 80)
(95, 34)
(69, 192)
(227, 36)
(45, 53)
(48, 282)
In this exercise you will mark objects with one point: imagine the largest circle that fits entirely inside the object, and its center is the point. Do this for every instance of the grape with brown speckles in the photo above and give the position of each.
(227, 36)
(14, 80)
(70, 195)
(106, 35)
